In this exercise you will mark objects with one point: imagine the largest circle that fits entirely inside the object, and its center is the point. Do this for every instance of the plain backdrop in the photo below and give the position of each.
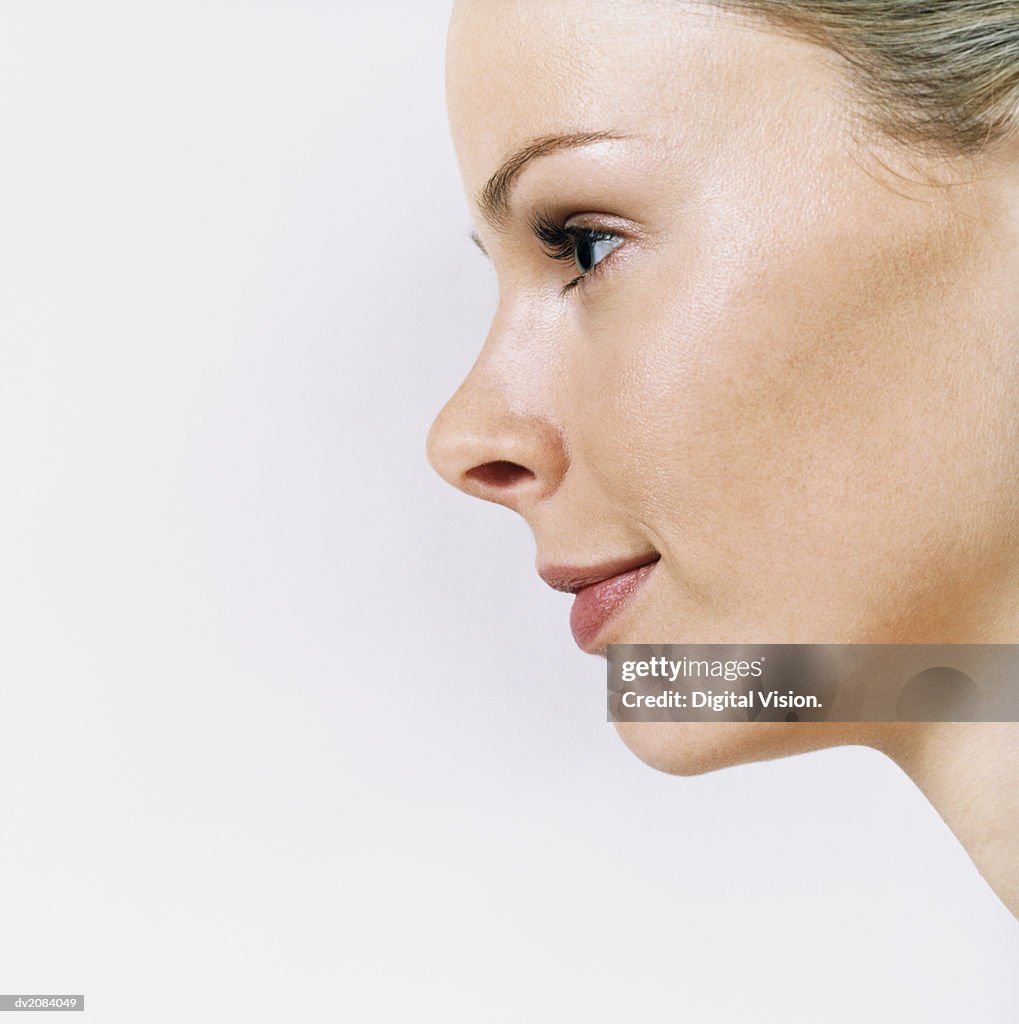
(290, 728)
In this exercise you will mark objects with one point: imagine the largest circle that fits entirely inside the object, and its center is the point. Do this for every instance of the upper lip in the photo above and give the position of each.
(570, 579)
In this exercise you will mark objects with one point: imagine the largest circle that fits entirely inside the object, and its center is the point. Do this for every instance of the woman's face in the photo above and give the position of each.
(788, 373)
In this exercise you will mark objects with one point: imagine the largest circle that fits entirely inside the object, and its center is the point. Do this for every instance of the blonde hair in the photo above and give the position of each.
(943, 74)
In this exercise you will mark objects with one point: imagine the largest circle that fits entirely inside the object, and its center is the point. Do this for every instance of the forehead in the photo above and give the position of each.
(683, 73)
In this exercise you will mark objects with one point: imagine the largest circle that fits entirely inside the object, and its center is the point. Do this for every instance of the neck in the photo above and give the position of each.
(970, 773)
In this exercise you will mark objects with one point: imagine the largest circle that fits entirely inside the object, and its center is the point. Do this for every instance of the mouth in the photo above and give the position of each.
(601, 592)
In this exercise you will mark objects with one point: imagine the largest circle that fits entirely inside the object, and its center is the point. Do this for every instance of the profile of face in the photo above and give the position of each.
(752, 376)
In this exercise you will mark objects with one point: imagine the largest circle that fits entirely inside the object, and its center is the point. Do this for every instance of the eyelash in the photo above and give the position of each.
(560, 243)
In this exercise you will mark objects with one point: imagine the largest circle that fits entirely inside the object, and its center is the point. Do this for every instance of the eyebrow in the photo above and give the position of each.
(493, 199)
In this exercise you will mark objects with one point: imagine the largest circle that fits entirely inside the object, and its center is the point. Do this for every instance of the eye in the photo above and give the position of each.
(585, 247)
(591, 247)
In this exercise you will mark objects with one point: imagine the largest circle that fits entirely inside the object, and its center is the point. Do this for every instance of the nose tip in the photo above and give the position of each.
(505, 458)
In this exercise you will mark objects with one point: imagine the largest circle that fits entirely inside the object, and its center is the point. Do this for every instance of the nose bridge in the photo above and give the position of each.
(499, 437)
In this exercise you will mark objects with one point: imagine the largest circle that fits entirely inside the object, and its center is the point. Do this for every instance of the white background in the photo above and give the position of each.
(290, 729)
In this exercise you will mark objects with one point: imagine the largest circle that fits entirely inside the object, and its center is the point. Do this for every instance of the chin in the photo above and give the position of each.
(694, 748)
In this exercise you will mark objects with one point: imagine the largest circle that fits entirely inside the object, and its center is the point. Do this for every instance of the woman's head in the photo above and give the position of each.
(741, 330)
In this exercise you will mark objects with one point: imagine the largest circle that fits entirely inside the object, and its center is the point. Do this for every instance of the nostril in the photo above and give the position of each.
(499, 474)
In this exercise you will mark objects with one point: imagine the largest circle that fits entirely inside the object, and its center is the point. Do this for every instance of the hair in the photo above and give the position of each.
(943, 74)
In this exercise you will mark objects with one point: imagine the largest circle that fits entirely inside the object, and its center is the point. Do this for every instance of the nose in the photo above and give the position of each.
(496, 438)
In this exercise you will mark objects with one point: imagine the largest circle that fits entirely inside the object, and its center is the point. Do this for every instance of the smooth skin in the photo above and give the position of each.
(793, 369)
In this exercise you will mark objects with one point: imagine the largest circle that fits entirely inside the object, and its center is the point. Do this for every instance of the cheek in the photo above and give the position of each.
(803, 419)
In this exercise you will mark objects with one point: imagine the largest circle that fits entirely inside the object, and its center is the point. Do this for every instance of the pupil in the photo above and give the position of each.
(585, 254)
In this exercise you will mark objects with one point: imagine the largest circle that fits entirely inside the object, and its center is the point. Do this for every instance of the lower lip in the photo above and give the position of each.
(595, 605)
